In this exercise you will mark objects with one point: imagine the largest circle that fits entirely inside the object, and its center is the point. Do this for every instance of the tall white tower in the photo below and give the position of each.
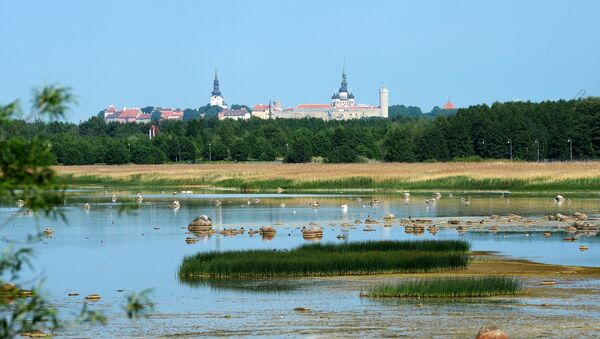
(217, 99)
(383, 101)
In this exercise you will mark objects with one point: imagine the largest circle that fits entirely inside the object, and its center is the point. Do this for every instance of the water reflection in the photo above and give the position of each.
(246, 285)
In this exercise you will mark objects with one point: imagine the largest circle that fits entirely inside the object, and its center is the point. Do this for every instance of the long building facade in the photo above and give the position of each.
(342, 107)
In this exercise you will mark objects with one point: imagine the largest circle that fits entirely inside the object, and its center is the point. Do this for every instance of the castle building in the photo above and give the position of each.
(343, 107)
(269, 111)
(343, 98)
(217, 99)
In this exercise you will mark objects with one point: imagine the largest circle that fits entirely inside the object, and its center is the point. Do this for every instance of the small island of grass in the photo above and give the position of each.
(361, 258)
(449, 287)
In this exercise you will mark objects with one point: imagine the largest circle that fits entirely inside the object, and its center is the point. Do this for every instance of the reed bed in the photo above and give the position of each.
(329, 260)
(390, 245)
(450, 287)
(480, 175)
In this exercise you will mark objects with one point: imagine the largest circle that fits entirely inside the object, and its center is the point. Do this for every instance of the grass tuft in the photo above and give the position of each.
(450, 287)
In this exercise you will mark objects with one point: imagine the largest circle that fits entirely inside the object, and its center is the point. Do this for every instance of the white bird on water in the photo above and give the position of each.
(344, 208)
(140, 199)
(114, 198)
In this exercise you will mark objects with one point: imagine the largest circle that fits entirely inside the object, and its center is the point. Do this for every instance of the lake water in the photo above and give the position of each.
(103, 250)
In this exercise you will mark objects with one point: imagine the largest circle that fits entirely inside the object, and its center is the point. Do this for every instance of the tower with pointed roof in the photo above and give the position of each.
(217, 99)
(343, 97)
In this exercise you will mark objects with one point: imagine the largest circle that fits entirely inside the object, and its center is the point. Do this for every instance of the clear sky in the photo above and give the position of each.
(163, 53)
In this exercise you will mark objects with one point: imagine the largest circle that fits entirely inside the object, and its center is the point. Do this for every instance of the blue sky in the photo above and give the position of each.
(163, 53)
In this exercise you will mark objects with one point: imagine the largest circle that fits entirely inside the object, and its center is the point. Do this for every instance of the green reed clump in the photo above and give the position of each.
(450, 287)
(327, 260)
(389, 245)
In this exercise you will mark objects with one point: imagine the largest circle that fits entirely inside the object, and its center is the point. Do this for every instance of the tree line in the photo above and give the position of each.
(521, 130)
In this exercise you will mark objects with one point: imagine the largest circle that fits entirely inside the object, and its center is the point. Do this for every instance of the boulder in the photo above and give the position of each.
(201, 224)
(202, 220)
(491, 333)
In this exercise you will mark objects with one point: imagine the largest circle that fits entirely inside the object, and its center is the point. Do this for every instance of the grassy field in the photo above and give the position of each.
(496, 175)
(330, 260)
(449, 287)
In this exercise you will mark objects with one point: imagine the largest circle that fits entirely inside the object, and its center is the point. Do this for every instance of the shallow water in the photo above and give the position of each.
(102, 250)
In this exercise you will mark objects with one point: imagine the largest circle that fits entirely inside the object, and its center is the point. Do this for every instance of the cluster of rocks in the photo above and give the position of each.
(232, 231)
(561, 217)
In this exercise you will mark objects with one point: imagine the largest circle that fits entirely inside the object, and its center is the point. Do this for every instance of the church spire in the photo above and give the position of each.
(216, 91)
(344, 86)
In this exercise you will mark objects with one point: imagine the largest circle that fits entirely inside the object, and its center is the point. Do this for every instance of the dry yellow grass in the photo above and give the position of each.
(558, 171)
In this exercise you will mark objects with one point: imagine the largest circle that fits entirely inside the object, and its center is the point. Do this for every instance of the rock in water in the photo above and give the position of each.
(491, 333)
(201, 224)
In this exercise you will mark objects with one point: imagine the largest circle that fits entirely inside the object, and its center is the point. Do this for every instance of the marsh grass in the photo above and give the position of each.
(497, 175)
(449, 287)
(330, 260)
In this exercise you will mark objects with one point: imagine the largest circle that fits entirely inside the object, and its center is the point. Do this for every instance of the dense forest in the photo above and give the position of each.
(499, 131)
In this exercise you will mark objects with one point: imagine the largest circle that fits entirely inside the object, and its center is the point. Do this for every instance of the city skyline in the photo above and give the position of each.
(150, 53)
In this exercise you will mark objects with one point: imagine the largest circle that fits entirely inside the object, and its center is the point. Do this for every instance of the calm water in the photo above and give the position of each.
(102, 250)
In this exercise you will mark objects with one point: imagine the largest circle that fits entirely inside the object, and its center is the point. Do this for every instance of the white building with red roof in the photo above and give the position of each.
(170, 114)
(110, 110)
(271, 110)
(261, 111)
(128, 114)
(111, 114)
(144, 118)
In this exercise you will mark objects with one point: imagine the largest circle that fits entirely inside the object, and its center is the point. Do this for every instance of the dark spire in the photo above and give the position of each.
(216, 91)
(344, 86)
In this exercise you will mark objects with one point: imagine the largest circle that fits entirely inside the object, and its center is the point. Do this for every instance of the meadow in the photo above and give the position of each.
(492, 175)
(361, 258)
(449, 287)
